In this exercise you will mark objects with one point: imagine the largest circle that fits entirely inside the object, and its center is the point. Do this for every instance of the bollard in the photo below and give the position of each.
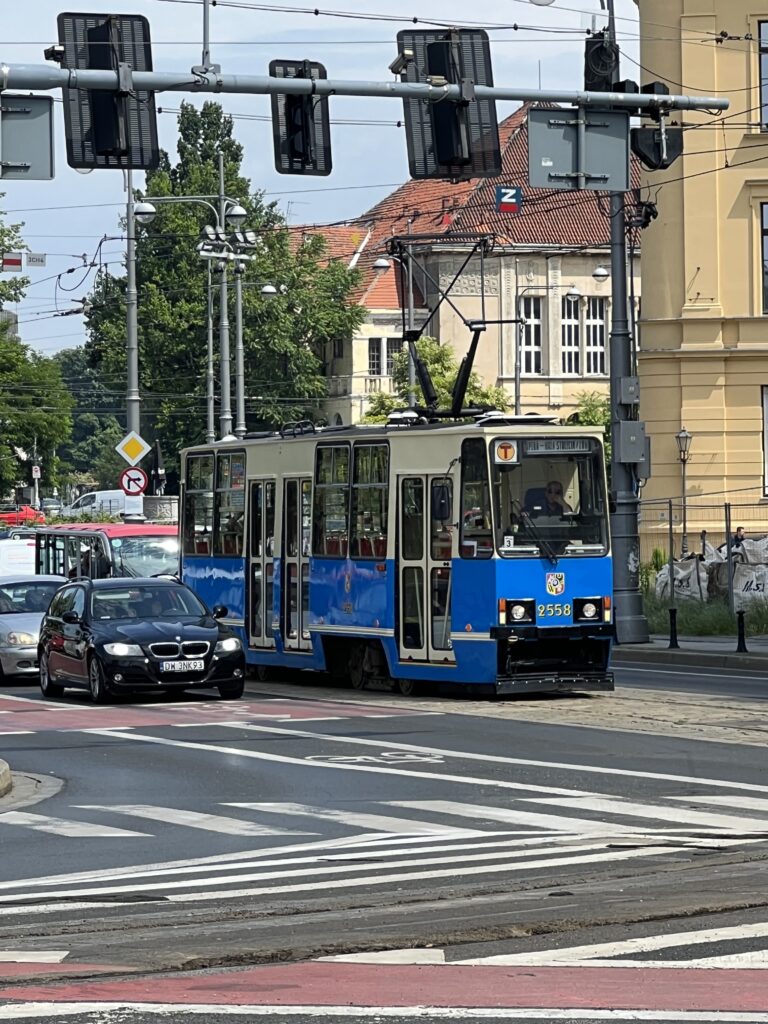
(673, 644)
(741, 642)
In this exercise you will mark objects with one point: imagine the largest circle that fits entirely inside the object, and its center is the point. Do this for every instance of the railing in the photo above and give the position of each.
(368, 384)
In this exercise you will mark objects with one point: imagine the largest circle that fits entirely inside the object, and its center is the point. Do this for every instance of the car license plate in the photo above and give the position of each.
(182, 666)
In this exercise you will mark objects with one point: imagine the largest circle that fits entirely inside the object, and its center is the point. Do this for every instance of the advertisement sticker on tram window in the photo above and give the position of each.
(505, 452)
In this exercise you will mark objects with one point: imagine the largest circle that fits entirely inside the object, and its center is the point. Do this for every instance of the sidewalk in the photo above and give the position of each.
(5, 778)
(701, 651)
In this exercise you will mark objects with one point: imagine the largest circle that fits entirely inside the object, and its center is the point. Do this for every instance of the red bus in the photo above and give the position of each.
(100, 550)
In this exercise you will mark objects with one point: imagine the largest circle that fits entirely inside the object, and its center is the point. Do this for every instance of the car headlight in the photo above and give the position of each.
(227, 646)
(17, 639)
(119, 650)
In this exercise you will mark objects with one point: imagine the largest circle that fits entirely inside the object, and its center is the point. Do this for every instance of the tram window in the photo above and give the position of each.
(291, 541)
(256, 519)
(198, 505)
(370, 496)
(230, 504)
(476, 539)
(330, 531)
(269, 517)
(413, 519)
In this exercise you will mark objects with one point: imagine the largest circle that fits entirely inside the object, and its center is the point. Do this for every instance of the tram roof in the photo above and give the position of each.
(529, 425)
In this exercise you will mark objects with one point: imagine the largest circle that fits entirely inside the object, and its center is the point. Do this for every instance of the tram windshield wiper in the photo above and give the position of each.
(544, 546)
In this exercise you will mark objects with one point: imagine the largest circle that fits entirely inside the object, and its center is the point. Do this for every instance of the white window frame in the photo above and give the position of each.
(570, 337)
(531, 335)
(392, 348)
(374, 357)
(595, 336)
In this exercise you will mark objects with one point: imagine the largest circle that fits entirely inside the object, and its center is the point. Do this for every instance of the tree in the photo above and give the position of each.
(443, 367)
(285, 336)
(95, 430)
(594, 410)
(35, 412)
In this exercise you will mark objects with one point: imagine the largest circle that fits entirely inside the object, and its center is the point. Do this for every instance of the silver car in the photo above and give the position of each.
(24, 601)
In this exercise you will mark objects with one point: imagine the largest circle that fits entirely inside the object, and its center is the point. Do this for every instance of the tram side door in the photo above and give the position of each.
(425, 513)
(261, 547)
(297, 508)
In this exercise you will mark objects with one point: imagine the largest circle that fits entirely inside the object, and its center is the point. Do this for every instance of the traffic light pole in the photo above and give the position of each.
(47, 76)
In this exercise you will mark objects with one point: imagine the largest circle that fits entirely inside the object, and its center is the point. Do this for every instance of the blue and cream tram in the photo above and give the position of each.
(475, 553)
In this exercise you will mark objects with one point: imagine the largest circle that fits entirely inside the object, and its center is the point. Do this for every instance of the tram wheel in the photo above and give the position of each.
(410, 687)
(356, 668)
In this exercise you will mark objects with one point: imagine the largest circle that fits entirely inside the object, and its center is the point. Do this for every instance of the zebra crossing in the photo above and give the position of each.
(299, 850)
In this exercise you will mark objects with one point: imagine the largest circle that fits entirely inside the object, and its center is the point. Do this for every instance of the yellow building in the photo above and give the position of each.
(704, 333)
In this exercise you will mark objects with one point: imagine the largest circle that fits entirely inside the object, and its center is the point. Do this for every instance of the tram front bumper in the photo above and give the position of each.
(562, 659)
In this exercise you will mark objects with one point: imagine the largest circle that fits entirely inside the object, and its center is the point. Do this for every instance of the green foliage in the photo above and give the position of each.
(95, 431)
(11, 288)
(710, 618)
(658, 559)
(443, 367)
(35, 407)
(646, 576)
(594, 410)
(286, 337)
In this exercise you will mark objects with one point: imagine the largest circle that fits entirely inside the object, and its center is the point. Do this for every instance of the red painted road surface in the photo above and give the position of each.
(325, 984)
(39, 716)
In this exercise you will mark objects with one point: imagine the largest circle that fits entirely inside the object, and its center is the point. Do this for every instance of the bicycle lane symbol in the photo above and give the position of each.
(385, 757)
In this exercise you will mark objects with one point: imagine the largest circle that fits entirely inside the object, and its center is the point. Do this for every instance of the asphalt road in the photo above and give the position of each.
(308, 822)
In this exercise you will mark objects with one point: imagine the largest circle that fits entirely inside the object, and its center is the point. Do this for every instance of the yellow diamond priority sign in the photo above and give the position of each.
(133, 448)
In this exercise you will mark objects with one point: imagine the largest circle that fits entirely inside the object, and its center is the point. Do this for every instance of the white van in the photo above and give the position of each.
(17, 556)
(96, 502)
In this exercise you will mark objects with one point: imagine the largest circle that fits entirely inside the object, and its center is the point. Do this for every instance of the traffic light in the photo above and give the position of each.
(106, 128)
(601, 61)
(446, 139)
(301, 124)
(656, 147)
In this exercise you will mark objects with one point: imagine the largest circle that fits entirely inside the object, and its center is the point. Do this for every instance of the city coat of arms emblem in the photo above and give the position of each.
(555, 583)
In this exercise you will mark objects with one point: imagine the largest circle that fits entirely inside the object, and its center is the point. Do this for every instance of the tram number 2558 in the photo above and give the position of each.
(544, 610)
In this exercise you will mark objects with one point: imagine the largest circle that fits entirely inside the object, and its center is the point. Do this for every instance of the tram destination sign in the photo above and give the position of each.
(558, 446)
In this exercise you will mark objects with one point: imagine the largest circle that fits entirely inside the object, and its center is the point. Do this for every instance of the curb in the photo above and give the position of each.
(5, 778)
(703, 659)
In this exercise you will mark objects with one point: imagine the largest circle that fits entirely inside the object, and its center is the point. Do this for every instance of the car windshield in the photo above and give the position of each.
(146, 556)
(550, 498)
(145, 602)
(26, 597)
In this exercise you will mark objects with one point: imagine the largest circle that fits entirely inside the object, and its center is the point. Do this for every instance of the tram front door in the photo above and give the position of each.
(297, 512)
(261, 549)
(426, 541)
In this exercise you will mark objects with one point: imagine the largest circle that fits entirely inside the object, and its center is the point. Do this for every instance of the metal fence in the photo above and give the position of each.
(727, 568)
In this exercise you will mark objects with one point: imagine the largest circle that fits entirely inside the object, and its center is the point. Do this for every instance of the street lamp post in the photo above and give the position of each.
(573, 293)
(233, 213)
(132, 396)
(684, 438)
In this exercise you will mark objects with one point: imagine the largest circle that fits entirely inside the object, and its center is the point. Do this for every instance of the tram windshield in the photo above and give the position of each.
(549, 496)
(146, 555)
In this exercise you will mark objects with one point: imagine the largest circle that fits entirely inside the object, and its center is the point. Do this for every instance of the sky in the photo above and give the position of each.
(66, 218)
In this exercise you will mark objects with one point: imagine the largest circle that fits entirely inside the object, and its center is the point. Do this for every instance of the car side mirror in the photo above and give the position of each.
(220, 611)
(71, 618)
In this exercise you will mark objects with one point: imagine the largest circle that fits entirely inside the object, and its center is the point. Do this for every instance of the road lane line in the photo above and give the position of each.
(749, 803)
(196, 819)
(619, 806)
(33, 956)
(468, 780)
(461, 755)
(324, 885)
(381, 822)
(626, 666)
(604, 950)
(62, 827)
(513, 816)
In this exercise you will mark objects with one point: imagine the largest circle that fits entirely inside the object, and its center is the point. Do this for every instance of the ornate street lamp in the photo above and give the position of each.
(684, 438)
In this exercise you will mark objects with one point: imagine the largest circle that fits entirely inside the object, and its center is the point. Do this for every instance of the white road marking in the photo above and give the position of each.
(62, 827)
(460, 755)
(512, 816)
(618, 806)
(604, 950)
(381, 822)
(33, 956)
(50, 1011)
(196, 819)
(431, 957)
(748, 803)
(263, 876)
(626, 666)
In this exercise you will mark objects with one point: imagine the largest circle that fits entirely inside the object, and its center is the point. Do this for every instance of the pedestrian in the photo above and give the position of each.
(738, 537)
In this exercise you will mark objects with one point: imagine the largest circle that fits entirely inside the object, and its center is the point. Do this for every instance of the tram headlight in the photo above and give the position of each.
(512, 612)
(518, 612)
(587, 609)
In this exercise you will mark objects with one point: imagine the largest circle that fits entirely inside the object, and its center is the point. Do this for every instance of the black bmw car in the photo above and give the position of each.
(116, 635)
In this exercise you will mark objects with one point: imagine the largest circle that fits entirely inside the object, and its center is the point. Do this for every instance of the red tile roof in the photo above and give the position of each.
(548, 217)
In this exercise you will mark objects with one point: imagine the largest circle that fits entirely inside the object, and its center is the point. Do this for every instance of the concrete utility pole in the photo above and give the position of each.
(132, 398)
(225, 411)
(629, 616)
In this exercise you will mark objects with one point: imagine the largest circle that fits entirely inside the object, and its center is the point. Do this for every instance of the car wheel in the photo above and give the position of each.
(48, 688)
(96, 684)
(232, 692)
